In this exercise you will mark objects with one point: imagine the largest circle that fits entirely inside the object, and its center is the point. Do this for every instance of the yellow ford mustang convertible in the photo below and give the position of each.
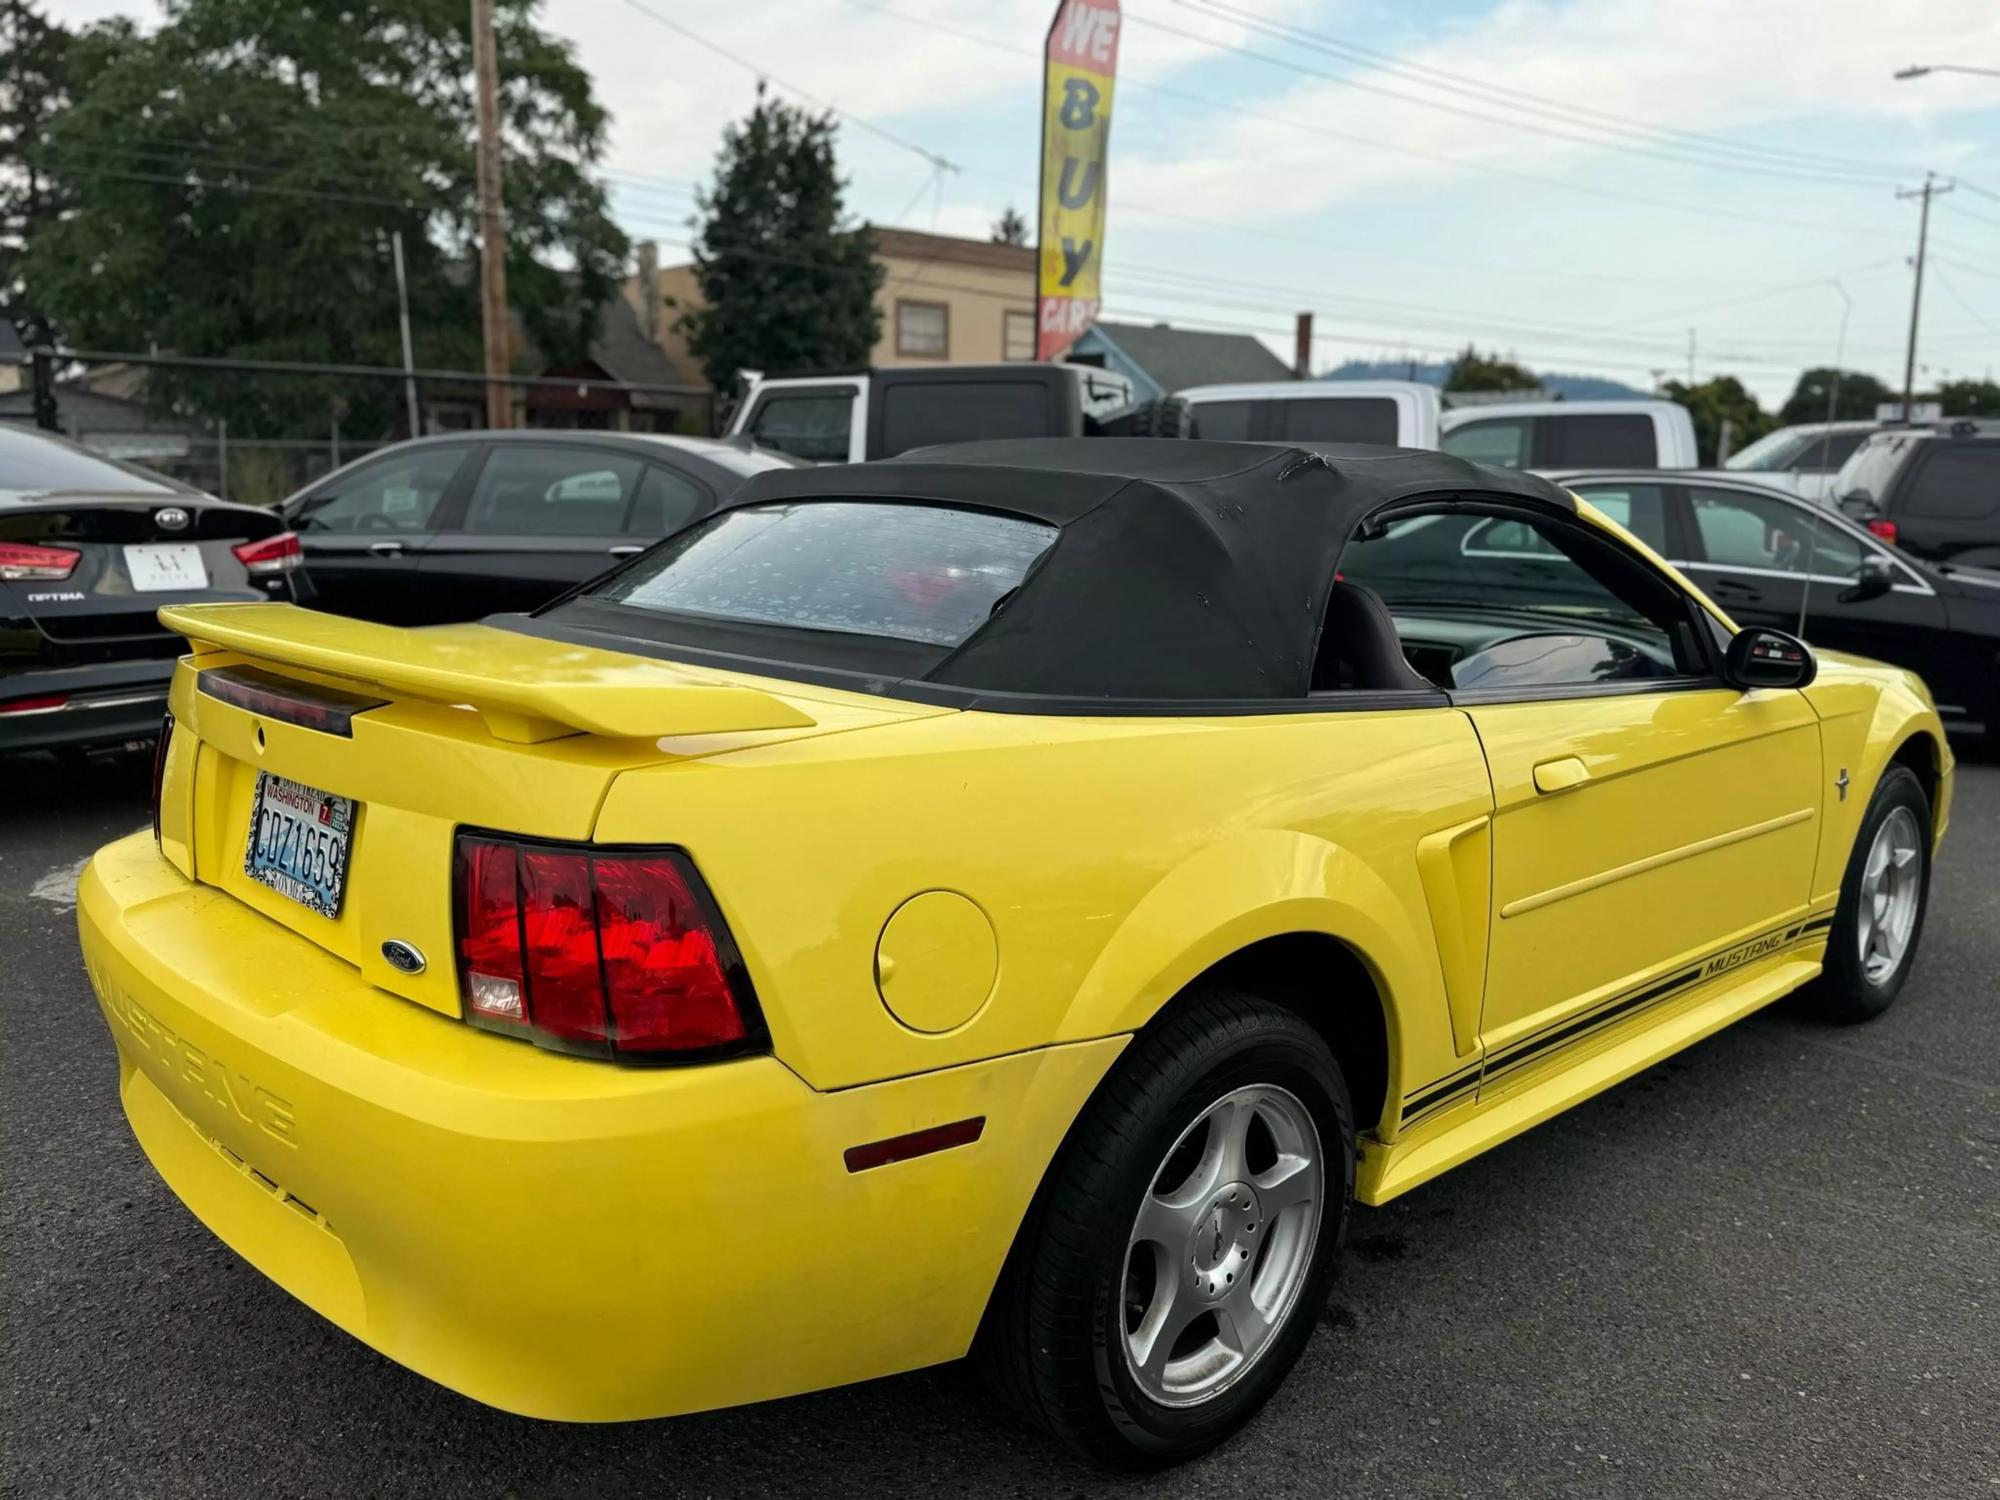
(1010, 899)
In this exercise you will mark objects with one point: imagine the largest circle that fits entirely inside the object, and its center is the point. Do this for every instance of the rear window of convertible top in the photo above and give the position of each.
(925, 573)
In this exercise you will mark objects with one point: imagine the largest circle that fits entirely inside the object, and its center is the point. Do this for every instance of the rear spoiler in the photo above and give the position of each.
(526, 689)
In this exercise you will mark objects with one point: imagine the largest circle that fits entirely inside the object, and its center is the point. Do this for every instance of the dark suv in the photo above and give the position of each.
(1933, 491)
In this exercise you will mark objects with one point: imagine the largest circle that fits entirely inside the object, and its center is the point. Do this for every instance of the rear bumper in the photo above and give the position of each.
(104, 704)
(554, 1236)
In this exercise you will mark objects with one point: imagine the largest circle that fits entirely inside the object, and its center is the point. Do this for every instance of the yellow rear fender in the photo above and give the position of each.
(1272, 883)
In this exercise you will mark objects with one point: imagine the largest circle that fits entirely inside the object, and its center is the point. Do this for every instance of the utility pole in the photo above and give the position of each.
(1928, 191)
(492, 235)
(409, 359)
(1302, 345)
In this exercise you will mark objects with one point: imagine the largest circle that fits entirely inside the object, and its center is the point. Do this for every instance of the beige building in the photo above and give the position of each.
(944, 300)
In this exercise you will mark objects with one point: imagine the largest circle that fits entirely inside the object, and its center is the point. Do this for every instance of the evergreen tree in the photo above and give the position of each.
(788, 283)
(1473, 371)
(1710, 403)
(34, 90)
(1860, 393)
(1010, 228)
(233, 177)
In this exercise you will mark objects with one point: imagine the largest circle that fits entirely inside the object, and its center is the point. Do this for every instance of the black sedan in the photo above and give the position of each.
(457, 527)
(1764, 556)
(89, 550)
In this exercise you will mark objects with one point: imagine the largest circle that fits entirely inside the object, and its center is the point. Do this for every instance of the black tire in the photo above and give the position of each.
(1053, 1341)
(1168, 417)
(1844, 992)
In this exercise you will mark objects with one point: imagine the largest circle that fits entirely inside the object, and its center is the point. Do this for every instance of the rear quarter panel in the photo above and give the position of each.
(1115, 859)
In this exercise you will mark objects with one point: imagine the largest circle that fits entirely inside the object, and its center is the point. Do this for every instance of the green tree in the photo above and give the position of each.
(1968, 398)
(1010, 228)
(788, 283)
(1712, 402)
(1473, 371)
(34, 90)
(234, 176)
(1860, 393)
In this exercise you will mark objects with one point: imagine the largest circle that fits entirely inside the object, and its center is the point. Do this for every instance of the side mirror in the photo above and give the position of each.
(1858, 502)
(1761, 658)
(1876, 578)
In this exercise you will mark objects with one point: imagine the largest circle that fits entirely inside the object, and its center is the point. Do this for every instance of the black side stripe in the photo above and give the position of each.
(1525, 1051)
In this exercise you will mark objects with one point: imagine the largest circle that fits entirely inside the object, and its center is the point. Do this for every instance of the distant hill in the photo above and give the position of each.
(1569, 387)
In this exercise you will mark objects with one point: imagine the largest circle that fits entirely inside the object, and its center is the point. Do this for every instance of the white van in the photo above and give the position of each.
(1392, 413)
(1572, 435)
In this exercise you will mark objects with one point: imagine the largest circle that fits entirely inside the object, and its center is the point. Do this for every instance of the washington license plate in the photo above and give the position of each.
(298, 842)
(162, 567)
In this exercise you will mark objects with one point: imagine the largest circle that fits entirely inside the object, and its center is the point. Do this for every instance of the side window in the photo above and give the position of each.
(1338, 419)
(916, 414)
(1639, 508)
(812, 427)
(1750, 531)
(526, 490)
(667, 502)
(1228, 421)
(1506, 441)
(1561, 606)
(1824, 455)
(390, 494)
(1591, 440)
(1955, 481)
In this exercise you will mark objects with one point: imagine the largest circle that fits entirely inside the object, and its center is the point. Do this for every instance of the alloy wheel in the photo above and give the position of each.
(1222, 1244)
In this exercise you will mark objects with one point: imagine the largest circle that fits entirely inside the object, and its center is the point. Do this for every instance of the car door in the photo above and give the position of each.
(363, 528)
(818, 423)
(538, 518)
(1763, 556)
(1646, 816)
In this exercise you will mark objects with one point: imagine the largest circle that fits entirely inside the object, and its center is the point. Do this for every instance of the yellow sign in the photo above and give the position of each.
(1079, 63)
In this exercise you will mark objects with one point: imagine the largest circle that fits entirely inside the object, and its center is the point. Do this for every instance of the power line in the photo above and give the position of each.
(1240, 110)
(1971, 311)
(1467, 164)
(938, 162)
(1435, 77)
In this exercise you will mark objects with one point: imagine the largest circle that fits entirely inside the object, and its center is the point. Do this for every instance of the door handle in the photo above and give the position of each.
(1560, 775)
(625, 549)
(385, 549)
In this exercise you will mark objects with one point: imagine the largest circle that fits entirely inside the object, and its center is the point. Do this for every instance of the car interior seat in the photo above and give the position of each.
(1359, 647)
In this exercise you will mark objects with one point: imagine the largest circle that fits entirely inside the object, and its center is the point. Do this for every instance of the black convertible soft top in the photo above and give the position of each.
(1184, 571)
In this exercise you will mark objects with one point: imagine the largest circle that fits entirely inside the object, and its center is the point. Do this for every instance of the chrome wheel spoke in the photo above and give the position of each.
(1241, 1324)
(1164, 1321)
(1165, 1222)
(1292, 1181)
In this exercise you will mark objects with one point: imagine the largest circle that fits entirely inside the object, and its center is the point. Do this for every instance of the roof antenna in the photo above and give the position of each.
(1825, 443)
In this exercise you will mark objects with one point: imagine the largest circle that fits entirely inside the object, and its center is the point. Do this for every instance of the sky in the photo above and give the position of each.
(1623, 188)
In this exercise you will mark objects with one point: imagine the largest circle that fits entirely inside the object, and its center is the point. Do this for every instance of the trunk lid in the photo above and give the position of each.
(133, 553)
(461, 726)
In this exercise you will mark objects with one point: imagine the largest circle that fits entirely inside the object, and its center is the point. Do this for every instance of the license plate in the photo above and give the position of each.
(162, 567)
(298, 842)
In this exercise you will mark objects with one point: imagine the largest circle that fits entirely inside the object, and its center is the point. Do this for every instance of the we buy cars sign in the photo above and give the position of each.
(1079, 62)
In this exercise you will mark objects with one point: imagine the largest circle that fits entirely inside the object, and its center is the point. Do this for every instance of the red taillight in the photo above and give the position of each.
(615, 953)
(160, 747)
(273, 554)
(22, 562)
(40, 703)
(1884, 529)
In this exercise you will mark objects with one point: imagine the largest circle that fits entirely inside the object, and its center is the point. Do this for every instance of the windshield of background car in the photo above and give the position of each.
(1874, 464)
(31, 463)
(1457, 562)
(1775, 450)
(924, 573)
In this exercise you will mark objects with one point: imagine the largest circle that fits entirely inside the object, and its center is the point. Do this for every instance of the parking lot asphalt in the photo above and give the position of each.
(1766, 1267)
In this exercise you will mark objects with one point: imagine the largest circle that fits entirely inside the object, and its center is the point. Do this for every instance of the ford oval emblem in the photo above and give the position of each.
(404, 956)
(171, 518)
